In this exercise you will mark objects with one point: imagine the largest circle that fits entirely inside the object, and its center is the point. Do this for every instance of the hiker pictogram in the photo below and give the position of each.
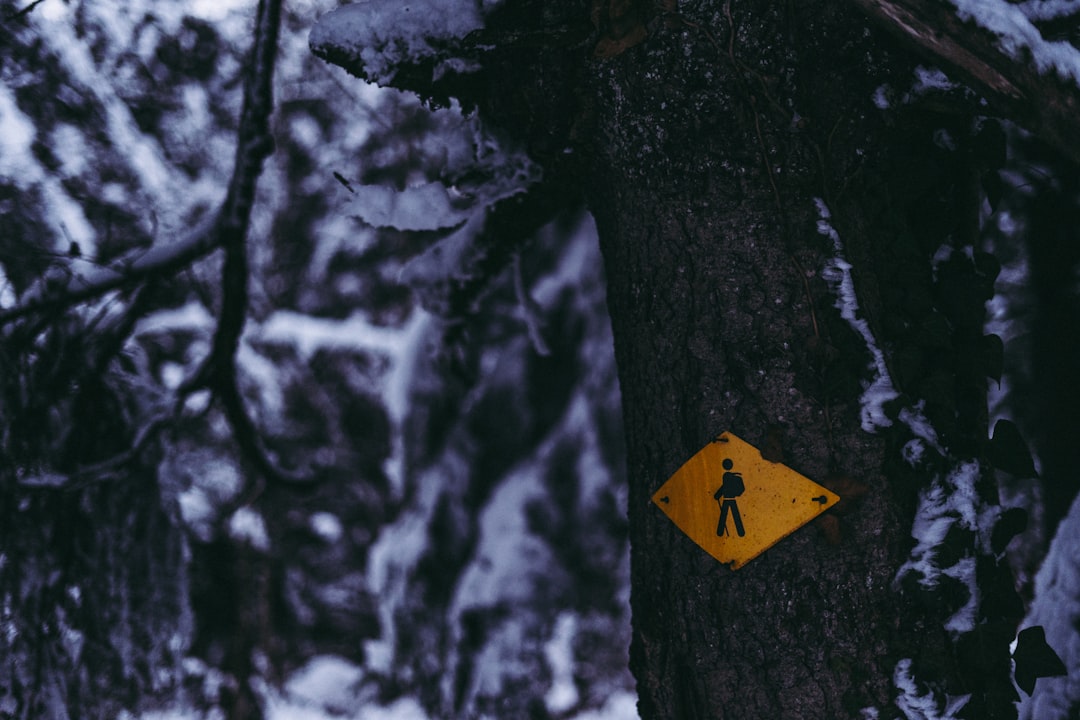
(731, 487)
(736, 504)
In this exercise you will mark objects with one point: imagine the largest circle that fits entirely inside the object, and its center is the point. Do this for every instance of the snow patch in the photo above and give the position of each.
(399, 548)
(246, 525)
(837, 273)
(401, 347)
(504, 544)
(559, 653)
(7, 291)
(326, 526)
(325, 680)
(947, 502)
(384, 35)
(619, 706)
(1048, 9)
(941, 505)
(913, 452)
(217, 10)
(963, 620)
(927, 79)
(918, 705)
(920, 426)
(1056, 607)
(192, 316)
(1017, 36)
(424, 207)
(881, 97)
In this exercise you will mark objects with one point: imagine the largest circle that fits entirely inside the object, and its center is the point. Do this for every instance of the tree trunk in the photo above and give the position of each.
(719, 143)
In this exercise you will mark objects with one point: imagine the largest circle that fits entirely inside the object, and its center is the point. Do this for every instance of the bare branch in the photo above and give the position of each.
(1035, 98)
(159, 261)
(224, 229)
(24, 12)
(253, 147)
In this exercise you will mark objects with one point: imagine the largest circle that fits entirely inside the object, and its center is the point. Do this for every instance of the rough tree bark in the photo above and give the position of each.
(712, 142)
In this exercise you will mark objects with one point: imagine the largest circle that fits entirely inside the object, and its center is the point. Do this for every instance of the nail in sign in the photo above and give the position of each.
(736, 504)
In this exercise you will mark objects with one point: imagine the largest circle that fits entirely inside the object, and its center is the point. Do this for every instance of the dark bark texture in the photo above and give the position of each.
(713, 139)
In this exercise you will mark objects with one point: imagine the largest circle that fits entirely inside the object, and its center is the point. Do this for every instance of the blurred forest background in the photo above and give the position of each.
(445, 535)
(420, 510)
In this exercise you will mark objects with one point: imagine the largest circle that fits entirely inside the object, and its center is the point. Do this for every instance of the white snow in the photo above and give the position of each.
(309, 334)
(385, 34)
(837, 273)
(920, 426)
(963, 620)
(927, 79)
(424, 207)
(1017, 36)
(559, 653)
(217, 10)
(913, 452)
(397, 550)
(618, 706)
(946, 502)
(18, 165)
(400, 347)
(197, 512)
(881, 97)
(1056, 607)
(918, 705)
(145, 157)
(7, 292)
(325, 680)
(189, 316)
(247, 525)
(326, 526)
(1048, 9)
(941, 505)
(505, 542)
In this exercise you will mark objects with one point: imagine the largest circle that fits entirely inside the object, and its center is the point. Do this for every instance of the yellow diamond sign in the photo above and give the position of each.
(736, 504)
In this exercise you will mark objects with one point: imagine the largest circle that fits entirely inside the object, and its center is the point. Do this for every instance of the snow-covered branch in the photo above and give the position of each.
(228, 226)
(1000, 52)
(163, 260)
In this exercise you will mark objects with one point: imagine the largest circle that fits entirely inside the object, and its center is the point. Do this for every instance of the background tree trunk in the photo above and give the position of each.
(722, 322)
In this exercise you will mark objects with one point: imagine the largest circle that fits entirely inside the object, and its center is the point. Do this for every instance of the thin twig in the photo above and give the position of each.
(158, 261)
(254, 145)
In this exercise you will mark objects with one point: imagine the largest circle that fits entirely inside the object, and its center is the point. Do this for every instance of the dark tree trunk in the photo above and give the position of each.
(723, 322)
(1054, 258)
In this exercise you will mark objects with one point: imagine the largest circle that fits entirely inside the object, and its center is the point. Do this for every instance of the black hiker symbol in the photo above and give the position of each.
(731, 488)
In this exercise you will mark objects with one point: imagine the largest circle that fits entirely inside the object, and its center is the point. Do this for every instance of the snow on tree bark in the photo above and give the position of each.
(710, 281)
